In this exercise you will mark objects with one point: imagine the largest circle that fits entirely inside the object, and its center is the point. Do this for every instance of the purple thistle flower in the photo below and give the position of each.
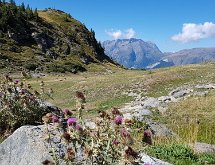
(16, 81)
(71, 121)
(55, 119)
(115, 142)
(67, 111)
(78, 127)
(124, 133)
(118, 120)
(147, 134)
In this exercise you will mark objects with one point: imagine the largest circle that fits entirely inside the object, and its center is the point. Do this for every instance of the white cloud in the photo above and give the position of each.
(116, 34)
(129, 33)
(193, 32)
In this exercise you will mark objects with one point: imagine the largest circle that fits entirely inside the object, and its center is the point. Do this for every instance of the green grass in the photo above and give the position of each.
(193, 119)
(179, 154)
(114, 102)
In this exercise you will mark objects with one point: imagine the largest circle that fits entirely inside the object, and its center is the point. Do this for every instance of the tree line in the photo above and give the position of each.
(15, 16)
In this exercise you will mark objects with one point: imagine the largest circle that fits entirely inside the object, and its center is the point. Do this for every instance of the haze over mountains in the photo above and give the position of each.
(138, 54)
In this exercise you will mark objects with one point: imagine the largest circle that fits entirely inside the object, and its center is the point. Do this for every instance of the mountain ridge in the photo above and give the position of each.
(126, 53)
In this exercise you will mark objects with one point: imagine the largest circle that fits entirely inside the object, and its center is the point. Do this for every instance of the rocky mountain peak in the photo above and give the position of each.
(132, 53)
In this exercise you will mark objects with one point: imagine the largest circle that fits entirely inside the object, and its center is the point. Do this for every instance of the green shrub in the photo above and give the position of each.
(65, 67)
(18, 106)
(31, 66)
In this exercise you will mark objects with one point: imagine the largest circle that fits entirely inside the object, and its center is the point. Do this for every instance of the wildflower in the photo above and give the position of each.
(36, 93)
(78, 127)
(126, 137)
(31, 97)
(115, 142)
(115, 111)
(47, 118)
(80, 95)
(130, 153)
(118, 120)
(16, 81)
(47, 162)
(70, 155)
(103, 114)
(128, 122)
(88, 152)
(67, 137)
(147, 137)
(124, 133)
(67, 112)
(55, 119)
(71, 121)
(29, 86)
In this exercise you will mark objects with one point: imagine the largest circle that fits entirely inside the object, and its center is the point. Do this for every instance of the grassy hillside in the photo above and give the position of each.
(48, 40)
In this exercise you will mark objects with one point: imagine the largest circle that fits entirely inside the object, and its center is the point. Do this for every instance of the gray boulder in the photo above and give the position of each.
(24, 147)
(203, 147)
(201, 94)
(151, 102)
(160, 129)
(148, 160)
(207, 86)
(180, 92)
(29, 145)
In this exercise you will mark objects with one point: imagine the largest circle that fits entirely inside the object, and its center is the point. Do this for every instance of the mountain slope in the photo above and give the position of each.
(48, 40)
(191, 56)
(132, 53)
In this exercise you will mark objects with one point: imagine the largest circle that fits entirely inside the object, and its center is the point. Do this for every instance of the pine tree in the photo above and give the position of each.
(28, 8)
(12, 2)
(22, 7)
(36, 16)
(29, 12)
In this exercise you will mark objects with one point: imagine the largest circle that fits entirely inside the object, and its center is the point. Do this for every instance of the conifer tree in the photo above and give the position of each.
(22, 7)
(36, 16)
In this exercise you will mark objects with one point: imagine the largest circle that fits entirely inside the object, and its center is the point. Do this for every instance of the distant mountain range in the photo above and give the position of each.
(191, 56)
(138, 54)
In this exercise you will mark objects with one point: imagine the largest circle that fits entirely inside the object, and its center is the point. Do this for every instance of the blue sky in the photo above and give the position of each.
(171, 24)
